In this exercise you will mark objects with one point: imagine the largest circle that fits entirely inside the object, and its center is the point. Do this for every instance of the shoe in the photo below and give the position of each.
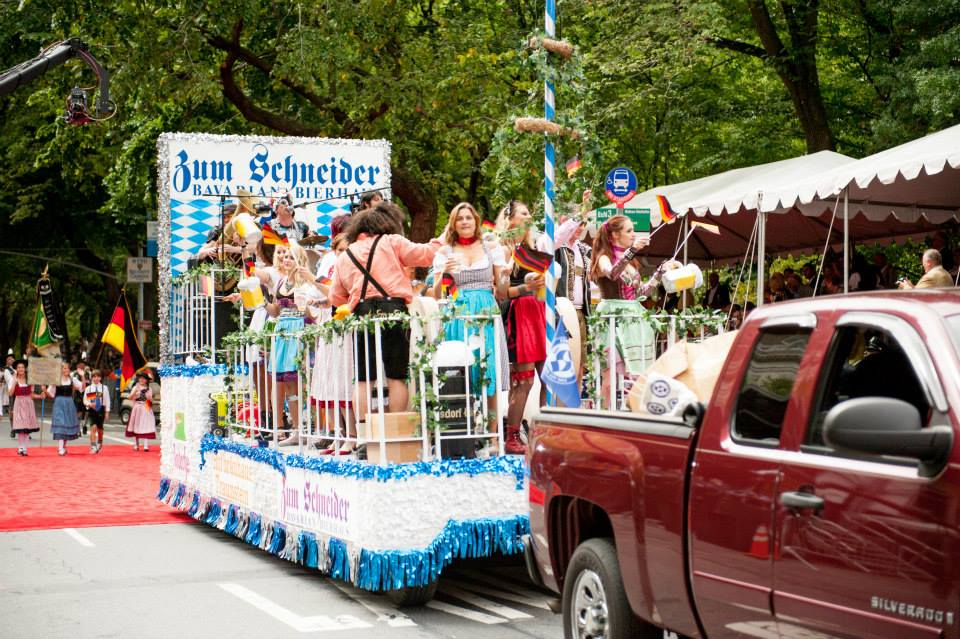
(21, 452)
(136, 447)
(512, 445)
(146, 449)
(93, 449)
(99, 447)
(62, 452)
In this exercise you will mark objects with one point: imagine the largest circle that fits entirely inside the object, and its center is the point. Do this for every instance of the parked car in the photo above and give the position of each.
(126, 406)
(817, 495)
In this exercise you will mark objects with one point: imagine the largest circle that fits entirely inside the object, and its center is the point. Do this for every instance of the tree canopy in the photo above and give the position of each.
(674, 89)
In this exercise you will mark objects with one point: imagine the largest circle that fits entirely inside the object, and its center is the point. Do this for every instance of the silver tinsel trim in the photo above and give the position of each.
(163, 210)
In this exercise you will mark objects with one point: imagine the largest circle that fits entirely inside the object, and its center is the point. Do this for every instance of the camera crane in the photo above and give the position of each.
(55, 55)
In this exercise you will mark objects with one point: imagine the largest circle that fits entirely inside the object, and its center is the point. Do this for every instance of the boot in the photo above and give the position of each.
(512, 444)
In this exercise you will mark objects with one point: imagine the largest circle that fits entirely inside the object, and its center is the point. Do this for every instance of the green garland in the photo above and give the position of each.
(228, 271)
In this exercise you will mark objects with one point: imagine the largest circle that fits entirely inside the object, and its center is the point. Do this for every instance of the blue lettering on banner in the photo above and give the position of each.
(183, 173)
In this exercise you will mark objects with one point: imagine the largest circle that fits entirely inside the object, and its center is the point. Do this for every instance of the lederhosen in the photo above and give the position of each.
(95, 415)
(394, 340)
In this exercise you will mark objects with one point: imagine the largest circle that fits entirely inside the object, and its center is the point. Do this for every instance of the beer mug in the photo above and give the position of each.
(250, 293)
(247, 228)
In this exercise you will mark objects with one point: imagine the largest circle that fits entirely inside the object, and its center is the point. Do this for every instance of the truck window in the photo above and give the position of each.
(863, 362)
(768, 385)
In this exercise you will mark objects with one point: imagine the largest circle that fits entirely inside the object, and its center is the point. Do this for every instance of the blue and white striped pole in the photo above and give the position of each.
(549, 108)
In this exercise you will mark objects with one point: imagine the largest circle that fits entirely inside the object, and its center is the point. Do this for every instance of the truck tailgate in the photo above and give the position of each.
(626, 472)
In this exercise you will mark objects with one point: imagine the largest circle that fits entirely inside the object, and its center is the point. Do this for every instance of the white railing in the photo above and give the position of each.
(193, 316)
(326, 408)
(611, 384)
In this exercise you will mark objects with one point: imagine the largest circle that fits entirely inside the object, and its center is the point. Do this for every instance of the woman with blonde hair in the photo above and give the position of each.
(295, 297)
(524, 320)
(476, 267)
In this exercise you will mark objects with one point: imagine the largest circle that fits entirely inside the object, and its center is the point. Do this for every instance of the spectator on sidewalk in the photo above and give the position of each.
(935, 276)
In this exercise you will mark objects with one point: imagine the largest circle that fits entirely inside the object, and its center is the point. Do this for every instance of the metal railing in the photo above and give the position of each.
(193, 316)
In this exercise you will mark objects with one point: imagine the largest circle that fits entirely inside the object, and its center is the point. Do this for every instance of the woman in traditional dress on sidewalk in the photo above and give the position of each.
(142, 424)
(477, 268)
(524, 320)
(64, 425)
(24, 413)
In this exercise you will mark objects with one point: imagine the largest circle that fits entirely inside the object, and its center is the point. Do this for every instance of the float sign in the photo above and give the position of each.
(621, 185)
(320, 503)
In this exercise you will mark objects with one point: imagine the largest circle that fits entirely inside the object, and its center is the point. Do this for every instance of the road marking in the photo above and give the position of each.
(374, 603)
(117, 439)
(317, 623)
(502, 594)
(463, 612)
(77, 537)
(508, 588)
(484, 604)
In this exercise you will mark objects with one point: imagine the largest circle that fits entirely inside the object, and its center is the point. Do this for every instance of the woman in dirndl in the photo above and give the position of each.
(64, 425)
(616, 255)
(476, 266)
(24, 414)
(331, 383)
(294, 291)
(142, 424)
(524, 320)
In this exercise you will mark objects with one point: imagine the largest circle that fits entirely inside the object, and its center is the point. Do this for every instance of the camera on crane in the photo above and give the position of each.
(77, 107)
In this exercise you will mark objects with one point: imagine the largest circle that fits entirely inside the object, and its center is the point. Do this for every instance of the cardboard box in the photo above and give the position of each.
(397, 452)
(395, 425)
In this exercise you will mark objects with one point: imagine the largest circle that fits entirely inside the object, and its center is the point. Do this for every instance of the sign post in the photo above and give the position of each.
(621, 186)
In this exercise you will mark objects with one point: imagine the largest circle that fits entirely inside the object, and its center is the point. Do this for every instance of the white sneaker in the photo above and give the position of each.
(93, 449)
(62, 452)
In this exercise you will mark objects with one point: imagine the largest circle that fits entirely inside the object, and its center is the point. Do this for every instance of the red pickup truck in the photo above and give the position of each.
(817, 495)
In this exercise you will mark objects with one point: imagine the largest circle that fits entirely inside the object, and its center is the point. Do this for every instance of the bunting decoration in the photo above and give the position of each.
(121, 335)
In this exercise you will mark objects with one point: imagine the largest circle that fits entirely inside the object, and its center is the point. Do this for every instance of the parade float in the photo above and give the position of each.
(388, 523)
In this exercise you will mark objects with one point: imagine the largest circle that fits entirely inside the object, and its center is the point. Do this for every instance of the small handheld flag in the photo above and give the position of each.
(271, 237)
(667, 214)
(573, 165)
(532, 259)
(448, 286)
(488, 225)
(709, 228)
(249, 266)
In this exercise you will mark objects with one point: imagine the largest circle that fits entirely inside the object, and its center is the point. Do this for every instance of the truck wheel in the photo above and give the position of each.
(412, 595)
(594, 600)
(124, 416)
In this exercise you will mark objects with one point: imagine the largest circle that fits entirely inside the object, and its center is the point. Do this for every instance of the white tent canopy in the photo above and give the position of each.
(910, 189)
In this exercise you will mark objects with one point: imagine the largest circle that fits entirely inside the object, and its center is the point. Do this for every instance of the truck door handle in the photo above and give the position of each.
(798, 500)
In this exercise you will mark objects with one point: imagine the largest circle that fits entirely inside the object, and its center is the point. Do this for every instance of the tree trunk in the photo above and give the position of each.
(422, 207)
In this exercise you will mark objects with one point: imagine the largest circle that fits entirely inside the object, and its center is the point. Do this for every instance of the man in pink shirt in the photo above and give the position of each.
(371, 277)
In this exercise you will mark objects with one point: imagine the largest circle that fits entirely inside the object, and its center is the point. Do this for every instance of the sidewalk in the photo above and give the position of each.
(112, 434)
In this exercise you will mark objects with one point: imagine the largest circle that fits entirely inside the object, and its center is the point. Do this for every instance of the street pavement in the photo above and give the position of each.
(189, 580)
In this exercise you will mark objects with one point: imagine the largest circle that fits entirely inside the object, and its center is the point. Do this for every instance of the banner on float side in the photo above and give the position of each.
(320, 502)
(199, 172)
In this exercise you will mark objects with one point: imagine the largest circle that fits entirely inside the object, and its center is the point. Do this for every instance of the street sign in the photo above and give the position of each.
(621, 185)
(139, 270)
(640, 217)
(145, 325)
(152, 234)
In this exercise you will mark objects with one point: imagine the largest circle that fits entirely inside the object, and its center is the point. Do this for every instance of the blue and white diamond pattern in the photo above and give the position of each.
(189, 224)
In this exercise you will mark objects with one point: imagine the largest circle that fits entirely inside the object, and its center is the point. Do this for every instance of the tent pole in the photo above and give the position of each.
(686, 231)
(846, 243)
(761, 254)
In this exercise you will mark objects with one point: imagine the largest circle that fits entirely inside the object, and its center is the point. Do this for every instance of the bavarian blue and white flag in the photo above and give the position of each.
(559, 374)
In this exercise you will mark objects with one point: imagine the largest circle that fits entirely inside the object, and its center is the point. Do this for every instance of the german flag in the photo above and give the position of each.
(573, 165)
(667, 214)
(488, 225)
(448, 286)
(272, 237)
(532, 259)
(122, 336)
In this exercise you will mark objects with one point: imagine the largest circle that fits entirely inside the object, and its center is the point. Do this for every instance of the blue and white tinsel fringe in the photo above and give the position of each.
(505, 465)
(376, 570)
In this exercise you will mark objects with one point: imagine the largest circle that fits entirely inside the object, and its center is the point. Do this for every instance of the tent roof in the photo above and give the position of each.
(911, 188)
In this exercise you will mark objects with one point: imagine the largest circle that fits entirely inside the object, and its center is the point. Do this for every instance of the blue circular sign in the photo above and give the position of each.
(621, 185)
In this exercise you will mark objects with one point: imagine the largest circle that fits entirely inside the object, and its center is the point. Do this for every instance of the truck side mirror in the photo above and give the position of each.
(692, 415)
(885, 426)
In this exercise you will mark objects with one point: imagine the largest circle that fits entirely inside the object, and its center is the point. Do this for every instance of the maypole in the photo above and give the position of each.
(550, 113)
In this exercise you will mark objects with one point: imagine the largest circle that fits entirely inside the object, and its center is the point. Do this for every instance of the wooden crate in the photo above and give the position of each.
(397, 452)
(396, 425)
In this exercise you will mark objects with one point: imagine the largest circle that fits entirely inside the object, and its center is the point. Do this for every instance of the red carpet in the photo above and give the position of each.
(117, 487)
